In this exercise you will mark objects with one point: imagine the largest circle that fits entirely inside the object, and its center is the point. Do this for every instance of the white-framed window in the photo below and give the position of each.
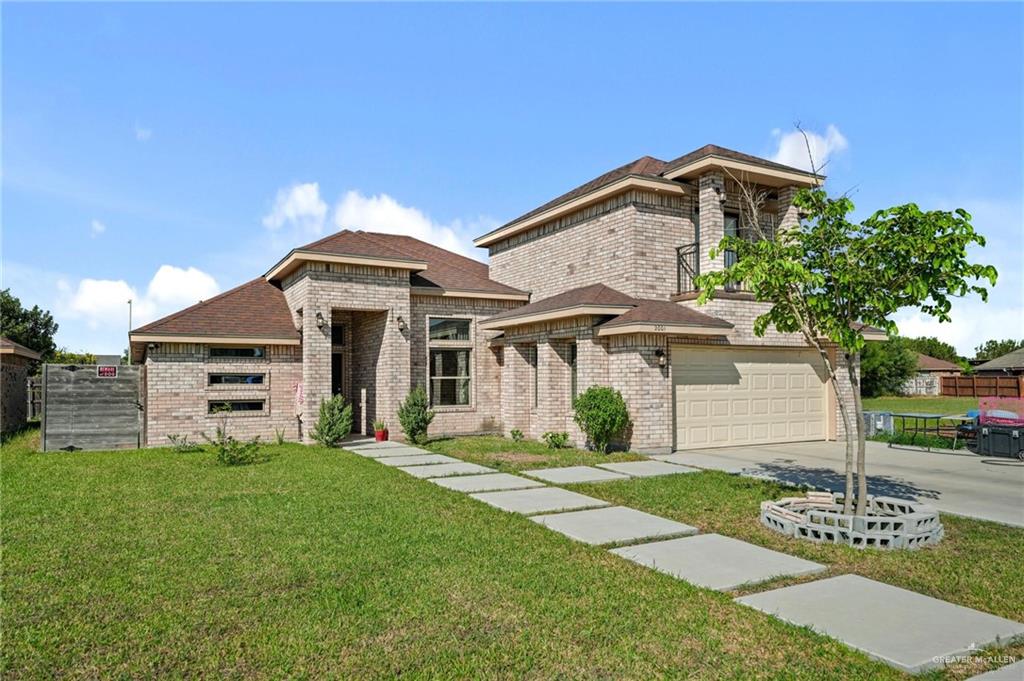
(450, 361)
(234, 406)
(256, 352)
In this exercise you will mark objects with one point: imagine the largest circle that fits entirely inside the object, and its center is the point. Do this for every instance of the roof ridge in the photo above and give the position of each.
(458, 266)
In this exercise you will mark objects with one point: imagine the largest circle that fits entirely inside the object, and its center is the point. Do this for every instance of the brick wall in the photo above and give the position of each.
(13, 391)
(177, 393)
(627, 243)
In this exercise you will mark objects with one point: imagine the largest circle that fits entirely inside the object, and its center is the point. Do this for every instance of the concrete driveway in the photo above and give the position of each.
(961, 483)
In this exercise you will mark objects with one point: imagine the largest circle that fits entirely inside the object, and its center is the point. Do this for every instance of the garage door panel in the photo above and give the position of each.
(729, 396)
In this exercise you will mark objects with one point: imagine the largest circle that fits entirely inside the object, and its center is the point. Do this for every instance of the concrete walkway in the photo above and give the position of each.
(988, 488)
(909, 631)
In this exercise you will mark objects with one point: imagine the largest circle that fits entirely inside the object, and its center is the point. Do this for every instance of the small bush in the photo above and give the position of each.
(334, 422)
(556, 440)
(228, 450)
(602, 414)
(516, 435)
(415, 415)
(181, 444)
(279, 436)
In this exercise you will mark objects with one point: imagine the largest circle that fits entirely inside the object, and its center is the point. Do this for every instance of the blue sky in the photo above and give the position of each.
(167, 152)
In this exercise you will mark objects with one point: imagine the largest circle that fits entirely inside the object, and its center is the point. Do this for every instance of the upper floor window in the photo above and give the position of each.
(450, 359)
(248, 352)
(236, 379)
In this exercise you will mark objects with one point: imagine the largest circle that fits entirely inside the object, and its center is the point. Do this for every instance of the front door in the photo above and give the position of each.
(337, 373)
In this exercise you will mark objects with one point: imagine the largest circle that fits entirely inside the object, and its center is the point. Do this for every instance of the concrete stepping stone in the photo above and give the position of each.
(716, 562)
(383, 452)
(416, 460)
(1011, 672)
(370, 444)
(540, 500)
(910, 631)
(572, 474)
(646, 469)
(612, 525)
(443, 470)
(491, 482)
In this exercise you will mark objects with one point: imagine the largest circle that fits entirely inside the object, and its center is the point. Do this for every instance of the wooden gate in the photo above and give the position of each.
(91, 407)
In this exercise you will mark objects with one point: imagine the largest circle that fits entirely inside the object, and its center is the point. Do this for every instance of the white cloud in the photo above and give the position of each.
(142, 134)
(973, 323)
(104, 302)
(96, 228)
(300, 207)
(382, 213)
(792, 149)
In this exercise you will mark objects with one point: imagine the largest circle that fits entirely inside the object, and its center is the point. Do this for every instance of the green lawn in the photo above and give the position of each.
(931, 405)
(977, 565)
(323, 563)
(510, 456)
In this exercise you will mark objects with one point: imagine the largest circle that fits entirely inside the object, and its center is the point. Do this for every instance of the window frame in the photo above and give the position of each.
(262, 411)
(574, 358)
(259, 352)
(262, 383)
(467, 345)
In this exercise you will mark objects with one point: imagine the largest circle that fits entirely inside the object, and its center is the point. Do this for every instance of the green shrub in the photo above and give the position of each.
(180, 443)
(279, 436)
(379, 425)
(516, 435)
(415, 415)
(228, 450)
(334, 423)
(919, 440)
(602, 414)
(556, 440)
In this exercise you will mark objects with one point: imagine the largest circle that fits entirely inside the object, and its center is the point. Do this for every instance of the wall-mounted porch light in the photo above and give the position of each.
(662, 359)
(401, 323)
(320, 321)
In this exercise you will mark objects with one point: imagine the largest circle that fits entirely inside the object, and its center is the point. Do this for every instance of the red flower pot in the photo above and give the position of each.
(380, 435)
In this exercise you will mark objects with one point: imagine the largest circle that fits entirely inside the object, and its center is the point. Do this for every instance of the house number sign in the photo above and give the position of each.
(106, 372)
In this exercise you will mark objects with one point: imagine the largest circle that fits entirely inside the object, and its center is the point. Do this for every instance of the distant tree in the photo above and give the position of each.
(933, 347)
(991, 349)
(65, 356)
(885, 367)
(33, 328)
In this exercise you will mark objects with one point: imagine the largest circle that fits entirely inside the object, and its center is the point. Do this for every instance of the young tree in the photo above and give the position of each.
(991, 349)
(827, 277)
(33, 328)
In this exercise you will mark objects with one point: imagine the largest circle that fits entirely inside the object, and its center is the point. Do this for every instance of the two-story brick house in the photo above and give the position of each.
(592, 288)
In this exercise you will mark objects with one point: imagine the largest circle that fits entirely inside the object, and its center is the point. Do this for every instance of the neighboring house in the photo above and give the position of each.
(1010, 364)
(15, 364)
(594, 287)
(928, 379)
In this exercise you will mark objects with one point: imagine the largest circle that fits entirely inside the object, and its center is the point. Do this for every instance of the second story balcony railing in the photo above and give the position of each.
(688, 268)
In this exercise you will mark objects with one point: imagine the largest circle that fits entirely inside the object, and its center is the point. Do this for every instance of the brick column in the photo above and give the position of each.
(712, 219)
(515, 390)
(316, 365)
(786, 213)
(394, 366)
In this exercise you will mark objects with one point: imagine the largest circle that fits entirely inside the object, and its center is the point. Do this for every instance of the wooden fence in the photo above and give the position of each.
(983, 386)
(91, 407)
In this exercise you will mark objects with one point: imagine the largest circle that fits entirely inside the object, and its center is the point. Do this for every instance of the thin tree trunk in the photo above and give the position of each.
(844, 413)
(858, 406)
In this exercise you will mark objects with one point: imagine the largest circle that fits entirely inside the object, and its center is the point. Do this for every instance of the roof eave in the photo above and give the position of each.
(211, 339)
(666, 329)
(297, 255)
(604, 191)
(551, 315)
(760, 173)
(466, 293)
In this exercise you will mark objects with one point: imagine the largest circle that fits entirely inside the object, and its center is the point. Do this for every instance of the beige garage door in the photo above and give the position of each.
(728, 396)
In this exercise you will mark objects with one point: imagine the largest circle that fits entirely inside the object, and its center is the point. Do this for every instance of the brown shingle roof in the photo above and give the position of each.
(254, 309)
(635, 310)
(348, 242)
(595, 294)
(648, 166)
(445, 269)
(665, 312)
(929, 363)
(9, 346)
